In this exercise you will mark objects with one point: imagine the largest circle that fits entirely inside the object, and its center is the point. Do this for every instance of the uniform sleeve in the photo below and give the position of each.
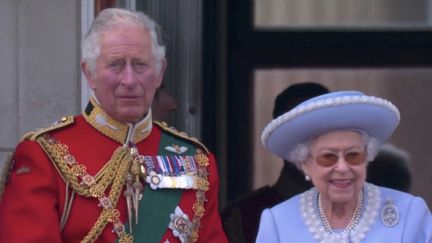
(267, 231)
(418, 227)
(29, 207)
(211, 230)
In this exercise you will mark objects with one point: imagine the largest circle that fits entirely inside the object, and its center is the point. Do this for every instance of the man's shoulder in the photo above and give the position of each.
(57, 125)
(180, 136)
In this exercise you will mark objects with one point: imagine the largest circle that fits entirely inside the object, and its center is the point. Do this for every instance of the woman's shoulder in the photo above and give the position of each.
(403, 200)
(285, 215)
(287, 205)
(396, 195)
(400, 195)
(412, 221)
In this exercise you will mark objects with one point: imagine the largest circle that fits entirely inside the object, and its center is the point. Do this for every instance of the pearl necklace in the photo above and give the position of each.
(354, 220)
(363, 219)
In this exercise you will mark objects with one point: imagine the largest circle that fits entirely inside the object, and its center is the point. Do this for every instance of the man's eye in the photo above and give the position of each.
(139, 63)
(116, 65)
(139, 66)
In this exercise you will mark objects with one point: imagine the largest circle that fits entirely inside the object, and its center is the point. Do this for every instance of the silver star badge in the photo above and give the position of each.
(181, 225)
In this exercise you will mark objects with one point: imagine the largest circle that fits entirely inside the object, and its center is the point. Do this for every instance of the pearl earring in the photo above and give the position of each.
(307, 178)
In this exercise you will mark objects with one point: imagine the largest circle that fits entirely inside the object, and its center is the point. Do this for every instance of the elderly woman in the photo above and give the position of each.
(331, 138)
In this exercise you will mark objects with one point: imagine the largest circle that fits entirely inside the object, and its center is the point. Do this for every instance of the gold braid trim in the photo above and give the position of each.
(111, 215)
(198, 206)
(121, 129)
(59, 153)
(112, 174)
(63, 122)
(181, 135)
(118, 131)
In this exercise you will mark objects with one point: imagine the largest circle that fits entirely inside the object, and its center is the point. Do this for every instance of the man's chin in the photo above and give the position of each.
(131, 116)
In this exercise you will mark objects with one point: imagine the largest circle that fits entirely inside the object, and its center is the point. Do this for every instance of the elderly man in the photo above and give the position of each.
(111, 174)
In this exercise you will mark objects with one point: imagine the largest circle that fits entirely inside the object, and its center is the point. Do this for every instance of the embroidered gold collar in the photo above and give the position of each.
(118, 131)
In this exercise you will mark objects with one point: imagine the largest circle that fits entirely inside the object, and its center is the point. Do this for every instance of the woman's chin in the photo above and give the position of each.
(342, 193)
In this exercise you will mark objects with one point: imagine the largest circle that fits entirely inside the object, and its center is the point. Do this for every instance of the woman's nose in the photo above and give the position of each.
(341, 164)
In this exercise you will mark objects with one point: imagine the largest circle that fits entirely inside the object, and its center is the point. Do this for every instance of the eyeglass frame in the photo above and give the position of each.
(340, 154)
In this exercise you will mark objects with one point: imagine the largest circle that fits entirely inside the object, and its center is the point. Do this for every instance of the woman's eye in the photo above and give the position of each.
(352, 154)
(330, 156)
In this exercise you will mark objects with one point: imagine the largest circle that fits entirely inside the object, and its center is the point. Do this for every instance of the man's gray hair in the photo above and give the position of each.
(114, 17)
(301, 152)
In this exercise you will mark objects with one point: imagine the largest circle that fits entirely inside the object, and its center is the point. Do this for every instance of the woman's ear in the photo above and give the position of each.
(305, 168)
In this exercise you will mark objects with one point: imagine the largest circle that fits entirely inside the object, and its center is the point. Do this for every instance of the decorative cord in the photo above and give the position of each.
(114, 174)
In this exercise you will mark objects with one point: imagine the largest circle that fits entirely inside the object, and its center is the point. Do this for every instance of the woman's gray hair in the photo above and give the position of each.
(111, 18)
(301, 152)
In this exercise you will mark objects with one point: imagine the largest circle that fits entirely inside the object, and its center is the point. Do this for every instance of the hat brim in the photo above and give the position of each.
(378, 119)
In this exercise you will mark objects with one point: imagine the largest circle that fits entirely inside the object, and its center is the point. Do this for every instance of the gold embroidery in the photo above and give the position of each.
(114, 174)
(116, 130)
(181, 135)
(78, 170)
(112, 215)
(113, 177)
(33, 135)
(202, 158)
(96, 191)
(126, 238)
(203, 186)
(198, 209)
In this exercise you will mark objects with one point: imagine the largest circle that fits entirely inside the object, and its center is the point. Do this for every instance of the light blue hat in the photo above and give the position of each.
(341, 110)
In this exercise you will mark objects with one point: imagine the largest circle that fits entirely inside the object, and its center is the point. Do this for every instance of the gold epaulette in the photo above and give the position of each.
(181, 135)
(64, 121)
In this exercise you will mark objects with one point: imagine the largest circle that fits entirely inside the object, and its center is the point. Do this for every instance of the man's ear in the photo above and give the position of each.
(161, 72)
(88, 74)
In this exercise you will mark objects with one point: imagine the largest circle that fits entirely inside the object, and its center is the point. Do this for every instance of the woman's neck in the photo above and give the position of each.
(340, 215)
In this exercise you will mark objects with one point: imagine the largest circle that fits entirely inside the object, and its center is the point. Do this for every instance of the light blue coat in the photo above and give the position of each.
(284, 222)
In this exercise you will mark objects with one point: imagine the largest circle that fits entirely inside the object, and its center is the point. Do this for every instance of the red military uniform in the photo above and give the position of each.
(49, 197)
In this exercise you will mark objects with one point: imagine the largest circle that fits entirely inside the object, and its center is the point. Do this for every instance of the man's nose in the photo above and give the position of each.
(128, 77)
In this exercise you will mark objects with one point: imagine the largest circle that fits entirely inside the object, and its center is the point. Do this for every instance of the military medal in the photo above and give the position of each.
(389, 214)
(181, 225)
(176, 149)
(154, 180)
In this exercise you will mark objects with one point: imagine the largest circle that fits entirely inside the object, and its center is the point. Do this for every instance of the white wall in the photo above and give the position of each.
(39, 65)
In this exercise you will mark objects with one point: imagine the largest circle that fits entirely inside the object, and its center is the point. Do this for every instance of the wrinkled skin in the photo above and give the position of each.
(126, 75)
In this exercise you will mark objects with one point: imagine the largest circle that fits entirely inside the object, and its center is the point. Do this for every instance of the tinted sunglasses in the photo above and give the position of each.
(328, 159)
